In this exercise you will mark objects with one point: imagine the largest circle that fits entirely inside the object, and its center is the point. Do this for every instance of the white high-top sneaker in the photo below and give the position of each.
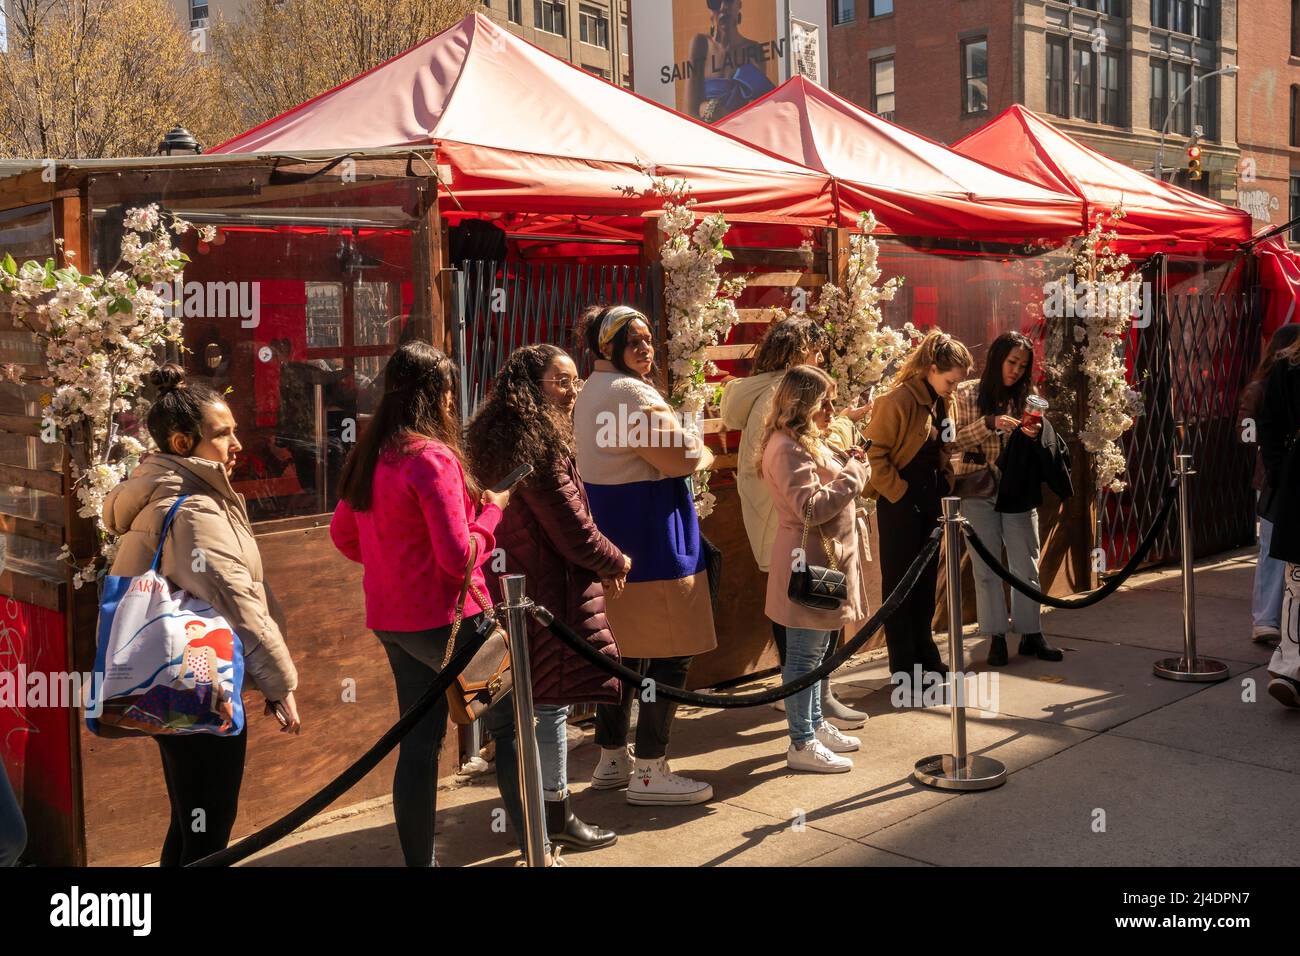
(653, 784)
(816, 758)
(613, 769)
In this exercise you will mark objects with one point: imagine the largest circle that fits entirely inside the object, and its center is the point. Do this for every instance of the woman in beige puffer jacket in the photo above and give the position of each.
(211, 553)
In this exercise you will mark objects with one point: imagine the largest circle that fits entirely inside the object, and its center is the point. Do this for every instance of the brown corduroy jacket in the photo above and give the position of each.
(899, 426)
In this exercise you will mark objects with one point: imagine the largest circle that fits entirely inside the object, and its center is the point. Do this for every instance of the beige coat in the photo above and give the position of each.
(793, 477)
(745, 404)
(210, 553)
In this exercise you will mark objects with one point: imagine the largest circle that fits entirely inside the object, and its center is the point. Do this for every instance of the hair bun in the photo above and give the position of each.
(167, 378)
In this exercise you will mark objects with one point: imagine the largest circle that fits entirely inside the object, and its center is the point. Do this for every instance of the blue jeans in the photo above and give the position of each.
(13, 831)
(553, 748)
(1018, 532)
(804, 652)
(1270, 575)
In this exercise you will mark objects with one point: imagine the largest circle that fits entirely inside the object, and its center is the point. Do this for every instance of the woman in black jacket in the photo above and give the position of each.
(1279, 443)
(548, 536)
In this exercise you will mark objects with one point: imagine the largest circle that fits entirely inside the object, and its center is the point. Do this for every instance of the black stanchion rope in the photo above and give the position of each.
(682, 696)
(465, 650)
(1092, 597)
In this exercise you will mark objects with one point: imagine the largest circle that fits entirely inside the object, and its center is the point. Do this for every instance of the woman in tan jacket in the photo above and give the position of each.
(911, 471)
(210, 553)
(813, 496)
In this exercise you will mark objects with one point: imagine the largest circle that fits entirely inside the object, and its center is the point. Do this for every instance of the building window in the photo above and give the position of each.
(1295, 27)
(515, 11)
(1201, 101)
(548, 16)
(1110, 88)
(1159, 93)
(1295, 207)
(975, 75)
(593, 28)
(845, 11)
(881, 7)
(1194, 17)
(1057, 72)
(1084, 102)
(198, 14)
(624, 45)
(597, 71)
(882, 88)
(1295, 115)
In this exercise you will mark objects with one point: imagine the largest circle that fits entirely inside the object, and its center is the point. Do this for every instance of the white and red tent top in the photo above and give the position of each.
(525, 131)
(913, 185)
(1023, 144)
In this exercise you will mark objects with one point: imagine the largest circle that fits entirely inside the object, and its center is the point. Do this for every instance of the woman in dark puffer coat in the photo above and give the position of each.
(548, 535)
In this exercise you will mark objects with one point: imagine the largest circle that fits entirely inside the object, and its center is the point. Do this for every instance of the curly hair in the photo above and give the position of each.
(786, 343)
(516, 425)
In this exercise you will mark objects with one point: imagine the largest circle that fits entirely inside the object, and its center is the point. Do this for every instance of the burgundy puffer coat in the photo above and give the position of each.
(548, 534)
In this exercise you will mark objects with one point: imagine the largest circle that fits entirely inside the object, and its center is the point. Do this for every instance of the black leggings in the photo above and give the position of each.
(904, 530)
(654, 724)
(203, 774)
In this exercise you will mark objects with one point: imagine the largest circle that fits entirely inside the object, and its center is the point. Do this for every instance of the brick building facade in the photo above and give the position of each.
(1268, 99)
(1104, 71)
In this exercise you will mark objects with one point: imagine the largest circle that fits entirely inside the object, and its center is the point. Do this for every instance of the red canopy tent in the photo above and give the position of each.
(525, 131)
(913, 185)
(1021, 143)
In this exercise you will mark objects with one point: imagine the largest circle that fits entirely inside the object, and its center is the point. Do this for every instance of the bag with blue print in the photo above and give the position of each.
(166, 661)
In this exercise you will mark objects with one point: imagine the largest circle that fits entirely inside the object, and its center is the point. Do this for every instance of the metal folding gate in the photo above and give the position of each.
(503, 305)
(1190, 364)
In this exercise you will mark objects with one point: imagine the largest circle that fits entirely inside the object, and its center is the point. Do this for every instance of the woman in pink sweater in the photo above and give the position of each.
(407, 514)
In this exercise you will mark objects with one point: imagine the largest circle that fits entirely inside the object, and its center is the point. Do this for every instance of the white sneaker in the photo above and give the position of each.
(815, 758)
(1266, 635)
(653, 784)
(834, 741)
(613, 769)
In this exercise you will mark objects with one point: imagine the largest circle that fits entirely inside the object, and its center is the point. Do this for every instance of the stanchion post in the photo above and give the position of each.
(1189, 667)
(530, 765)
(957, 770)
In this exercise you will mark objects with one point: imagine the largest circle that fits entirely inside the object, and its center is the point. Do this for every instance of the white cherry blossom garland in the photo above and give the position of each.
(100, 335)
(700, 307)
(863, 349)
(1105, 311)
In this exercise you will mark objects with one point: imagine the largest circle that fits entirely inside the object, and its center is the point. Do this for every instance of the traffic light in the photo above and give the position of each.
(1193, 163)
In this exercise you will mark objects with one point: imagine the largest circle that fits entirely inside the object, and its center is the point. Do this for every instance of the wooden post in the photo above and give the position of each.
(80, 607)
(651, 247)
(837, 241)
(429, 262)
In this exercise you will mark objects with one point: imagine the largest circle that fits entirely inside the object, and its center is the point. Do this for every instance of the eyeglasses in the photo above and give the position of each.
(565, 383)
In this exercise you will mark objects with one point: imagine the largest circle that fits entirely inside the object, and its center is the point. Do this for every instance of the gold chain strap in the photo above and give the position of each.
(826, 545)
(467, 586)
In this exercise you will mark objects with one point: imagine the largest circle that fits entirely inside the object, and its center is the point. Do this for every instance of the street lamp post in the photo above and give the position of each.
(1230, 70)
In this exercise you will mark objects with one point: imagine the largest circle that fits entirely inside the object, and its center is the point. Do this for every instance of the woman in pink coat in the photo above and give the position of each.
(408, 514)
(811, 483)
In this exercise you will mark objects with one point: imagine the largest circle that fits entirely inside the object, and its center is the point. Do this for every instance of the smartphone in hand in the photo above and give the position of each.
(512, 479)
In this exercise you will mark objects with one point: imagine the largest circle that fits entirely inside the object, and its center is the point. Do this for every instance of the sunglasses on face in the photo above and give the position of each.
(565, 383)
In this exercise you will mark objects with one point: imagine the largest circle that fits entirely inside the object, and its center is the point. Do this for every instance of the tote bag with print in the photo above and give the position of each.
(166, 662)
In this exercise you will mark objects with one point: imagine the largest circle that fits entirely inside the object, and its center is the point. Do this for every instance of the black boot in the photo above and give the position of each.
(998, 650)
(565, 829)
(1033, 645)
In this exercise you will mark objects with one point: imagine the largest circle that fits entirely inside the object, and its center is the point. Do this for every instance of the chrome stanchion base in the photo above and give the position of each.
(973, 773)
(1202, 669)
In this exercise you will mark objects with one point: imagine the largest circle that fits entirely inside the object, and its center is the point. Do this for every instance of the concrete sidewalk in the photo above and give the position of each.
(1107, 765)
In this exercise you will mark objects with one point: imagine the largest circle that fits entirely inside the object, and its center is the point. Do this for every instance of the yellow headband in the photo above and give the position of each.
(615, 318)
